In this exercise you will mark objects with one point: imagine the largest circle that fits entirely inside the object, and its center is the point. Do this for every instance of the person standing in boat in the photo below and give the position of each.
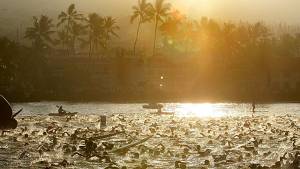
(7, 119)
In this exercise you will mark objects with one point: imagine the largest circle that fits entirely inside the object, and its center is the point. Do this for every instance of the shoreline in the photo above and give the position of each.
(129, 101)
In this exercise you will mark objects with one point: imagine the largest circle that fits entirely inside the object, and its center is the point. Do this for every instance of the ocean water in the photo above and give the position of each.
(180, 109)
(210, 126)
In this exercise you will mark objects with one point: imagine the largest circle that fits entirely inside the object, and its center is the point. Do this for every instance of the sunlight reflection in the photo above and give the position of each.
(199, 110)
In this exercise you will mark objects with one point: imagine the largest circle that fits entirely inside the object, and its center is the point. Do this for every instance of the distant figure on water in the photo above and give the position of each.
(61, 111)
(102, 121)
(159, 110)
(7, 119)
(253, 107)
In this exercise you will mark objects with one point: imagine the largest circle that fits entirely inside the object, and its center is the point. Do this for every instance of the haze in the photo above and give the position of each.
(18, 13)
(268, 10)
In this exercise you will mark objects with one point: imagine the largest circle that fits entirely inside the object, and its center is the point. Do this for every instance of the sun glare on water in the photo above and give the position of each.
(204, 110)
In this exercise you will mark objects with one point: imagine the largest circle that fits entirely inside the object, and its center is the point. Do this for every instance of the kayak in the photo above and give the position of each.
(66, 114)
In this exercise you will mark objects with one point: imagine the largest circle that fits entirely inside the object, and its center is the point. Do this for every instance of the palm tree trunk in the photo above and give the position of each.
(93, 49)
(63, 41)
(155, 34)
(68, 40)
(97, 52)
(90, 50)
(136, 38)
(105, 48)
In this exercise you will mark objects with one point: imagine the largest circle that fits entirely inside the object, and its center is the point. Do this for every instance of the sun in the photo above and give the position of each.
(199, 110)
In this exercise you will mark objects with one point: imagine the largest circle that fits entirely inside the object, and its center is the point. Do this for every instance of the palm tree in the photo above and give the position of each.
(171, 26)
(159, 12)
(41, 32)
(140, 12)
(62, 38)
(228, 43)
(76, 31)
(258, 32)
(95, 31)
(109, 28)
(69, 18)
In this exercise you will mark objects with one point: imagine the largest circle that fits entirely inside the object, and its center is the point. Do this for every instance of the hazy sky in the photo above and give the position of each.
(267, 10)
(18, 13)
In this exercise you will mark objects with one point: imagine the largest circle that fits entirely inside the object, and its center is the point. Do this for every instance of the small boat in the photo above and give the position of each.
(66, 114)
(153, 106)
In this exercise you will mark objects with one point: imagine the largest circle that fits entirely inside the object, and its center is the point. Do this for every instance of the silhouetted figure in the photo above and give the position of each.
(159, 110)
(103, 121)
(7, 119)
(61, 110)
(253, 107)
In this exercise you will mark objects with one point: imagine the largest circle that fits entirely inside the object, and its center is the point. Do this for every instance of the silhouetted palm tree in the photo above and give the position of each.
(69, 18)
(258, 32)
(77, 31)
(109, 27)
(228, 43)
(41, 32)
(171, 26)
(172, 31)
(159, 12)
(140, 12)
(62, 38)
(95, 32)
(188, 31)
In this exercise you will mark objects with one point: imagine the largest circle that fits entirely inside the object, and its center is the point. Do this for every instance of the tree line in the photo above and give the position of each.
(229, 48)
(179, 34)
(93, 31)
(72, 28)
